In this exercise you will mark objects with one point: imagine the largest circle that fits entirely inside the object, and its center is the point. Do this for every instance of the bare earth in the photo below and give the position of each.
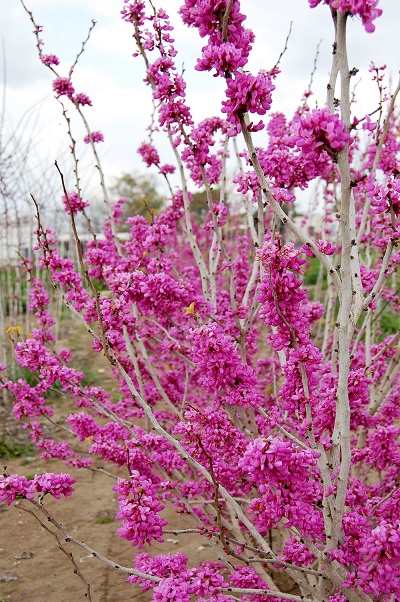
(32, 567)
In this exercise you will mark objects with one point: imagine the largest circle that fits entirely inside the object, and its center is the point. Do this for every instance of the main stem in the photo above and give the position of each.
(352, 296)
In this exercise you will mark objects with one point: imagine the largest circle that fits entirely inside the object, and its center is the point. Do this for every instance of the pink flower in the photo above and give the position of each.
(149, 154)
(296, 552)
(138, 508)
(223, 57)
(62, 86)
(317, 131)
(133, 12)
(366, 9)
(83, 425)
(74, 204)
(55, 484)
(221, 368)
(82, 99)
(167, 168)
(94, 137)
(13, 486)
(49, 59)
(247, 93)
(323, 245)
(51, 449)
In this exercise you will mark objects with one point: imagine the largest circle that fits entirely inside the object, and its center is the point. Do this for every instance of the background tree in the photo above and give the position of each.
(140, 193)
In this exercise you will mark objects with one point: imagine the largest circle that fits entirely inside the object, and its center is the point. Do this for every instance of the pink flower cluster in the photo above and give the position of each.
(55, 484)
(274, 461)
(227, 52)
(247, 93)
(287, 478)
(38, 302)
(210, 436)
(62, 86)
(247, 577)
(220, 368)
(49, 59)
(317, 131)
(323, 245)
(287, 164)
(296, 552)
(284, 301)
(74, 203)
(292, 396)
(94, 137)
(29, 402)
(168, 87)
(63, 272)
(178, 582)
(220, 210)
(223, 55)
(82, 99)
(223, 58)
(366, 9)
(138, 508)
(382, 198)
(14, 486)
(83, 425)
(197, 152)
(375, 552)
(149, 154)
(134, 12)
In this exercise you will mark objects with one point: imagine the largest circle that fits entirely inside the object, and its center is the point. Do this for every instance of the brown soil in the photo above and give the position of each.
(32, 567)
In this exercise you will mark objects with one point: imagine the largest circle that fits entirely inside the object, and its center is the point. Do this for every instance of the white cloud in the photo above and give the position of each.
(114, 80)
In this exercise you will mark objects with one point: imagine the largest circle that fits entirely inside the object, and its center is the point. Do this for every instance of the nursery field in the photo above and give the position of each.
(206, 370)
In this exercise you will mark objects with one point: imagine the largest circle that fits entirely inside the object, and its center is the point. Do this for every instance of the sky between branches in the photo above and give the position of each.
(114, 80)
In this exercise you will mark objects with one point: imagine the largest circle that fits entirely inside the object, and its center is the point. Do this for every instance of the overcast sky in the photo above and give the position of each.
(113, 79)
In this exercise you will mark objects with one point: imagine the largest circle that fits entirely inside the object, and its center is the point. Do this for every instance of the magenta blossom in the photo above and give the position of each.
(366, 9)
(74, 204)
(15, 486)
(82, 99)
(62, 86)
(247, 93)
(94, 137)
(149, 154)
(55, 484)
(49, 59)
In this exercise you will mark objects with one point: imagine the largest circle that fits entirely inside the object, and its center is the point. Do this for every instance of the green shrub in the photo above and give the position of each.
(11, 448)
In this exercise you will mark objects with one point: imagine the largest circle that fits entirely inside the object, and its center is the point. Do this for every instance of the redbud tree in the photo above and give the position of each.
(264, 409)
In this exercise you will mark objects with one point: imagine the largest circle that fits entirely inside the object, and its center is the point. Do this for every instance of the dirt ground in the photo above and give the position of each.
(32, 567)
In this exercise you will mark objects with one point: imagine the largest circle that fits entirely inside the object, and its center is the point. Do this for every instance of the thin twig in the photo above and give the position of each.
(82, 49)
(62, 548)
(225, 21)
